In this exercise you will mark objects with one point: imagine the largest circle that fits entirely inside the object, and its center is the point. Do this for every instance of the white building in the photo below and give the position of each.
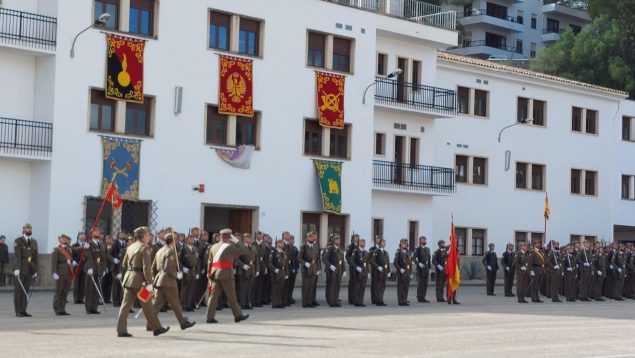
(514, 29)
(399, 147)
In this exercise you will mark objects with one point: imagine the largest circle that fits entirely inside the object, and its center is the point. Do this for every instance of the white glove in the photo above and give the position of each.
(150, 288)
(118, 277)
(507, 268)
(344, 274)
(266, 270)
(116, 261)
(439, 267)
(599, 273)
(246, 267)
(89, 272)
(611, 267)
(569, 269)
(86, 245)
(586, 264)
(286, 277)
(56, 276)
(276, 271)
(202, 271)
(557, 267)
(531, 273)
(186, 270)
(332, 268)
(257, 273)
(35, 274)
(489, 268)
(234, 239)
(380, 269)
(523, 268)
(402, 271)
(358, 269)
(16, 272)
(234, 271)
(619, 270)
(104, 273)
(307, 265)
(197, 276)
(318, 273)
(179, 275)
(74, 263)
(389, 274)
(420, 265)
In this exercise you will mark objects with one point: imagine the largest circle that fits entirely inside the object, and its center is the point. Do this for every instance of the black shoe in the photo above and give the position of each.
(599, 299)
(124, 334)
(62, 314)
(241, 318)
(79, 302)
(188, 309)
(455, 302)
(332, 305)
(570, 300)
(425, 301)
(161, 330)
(337, 305)
(93, 312)
(292, 301)
(360, 305)
(307, 306)
(19, 314)
(108, 301)
(619, 299)
(315, 304)
(404, 304)
(187, 324)
(277, 306)
(163, 309)
(249, 307)
(523, 301)
(212, 321)
(131, 311)
(381, 304)
(258, 305)
(537, 301)
(441, 300)
(586, 300)
(556, 300)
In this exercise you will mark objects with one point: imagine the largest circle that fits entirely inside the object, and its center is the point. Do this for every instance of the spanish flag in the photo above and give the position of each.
(112, 195)
(547, 211)
(452, 271)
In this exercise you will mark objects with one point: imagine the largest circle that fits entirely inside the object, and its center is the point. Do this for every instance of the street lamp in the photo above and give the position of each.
(101, 20)
(392, 74)
(522, 121)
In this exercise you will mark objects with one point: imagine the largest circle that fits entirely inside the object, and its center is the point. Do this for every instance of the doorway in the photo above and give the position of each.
(239, 219)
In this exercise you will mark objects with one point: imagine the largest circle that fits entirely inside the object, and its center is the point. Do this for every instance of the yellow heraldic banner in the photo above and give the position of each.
(330, 180)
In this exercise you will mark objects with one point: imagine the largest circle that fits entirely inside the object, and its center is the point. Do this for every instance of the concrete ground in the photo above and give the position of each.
(481, 326)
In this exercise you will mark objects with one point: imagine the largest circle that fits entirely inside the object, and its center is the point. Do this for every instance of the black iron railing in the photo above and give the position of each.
(414, 96)
(494, 44)
(26, 137)
(28, 29)
(405, 176)
(553, 30)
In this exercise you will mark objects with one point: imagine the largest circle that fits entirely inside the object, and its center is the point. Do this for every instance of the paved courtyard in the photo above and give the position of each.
(481, 326)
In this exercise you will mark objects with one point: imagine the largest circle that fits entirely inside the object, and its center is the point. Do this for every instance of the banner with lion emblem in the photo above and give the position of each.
(330, 180)
(235, 94)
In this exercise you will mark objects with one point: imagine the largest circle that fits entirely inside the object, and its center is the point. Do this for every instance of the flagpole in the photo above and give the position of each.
(545, 216)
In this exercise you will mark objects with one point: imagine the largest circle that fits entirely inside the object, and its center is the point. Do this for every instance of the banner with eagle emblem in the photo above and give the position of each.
(330, 99)
(124, 68)
(121, 161)
(235, 94)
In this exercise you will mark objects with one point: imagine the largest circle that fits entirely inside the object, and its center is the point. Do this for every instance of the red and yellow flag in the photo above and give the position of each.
(124, 68)
(235, 93)
(112, 196)
(330, 99)
(547, 210)
(452, 271)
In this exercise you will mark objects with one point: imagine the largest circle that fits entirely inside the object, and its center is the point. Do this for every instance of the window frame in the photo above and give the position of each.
(341, 56)
(209, 121)
(243, 27)
(320, 131)
(310, 60)
(465, 99)
(104, 9)
(98, 97)
(477, 101)
(380, 150)
(147, 106)
(217, 33)
(475, 246)
(463, 178)
(140, 6)
(243, 121)
(340, 133)
(484, 174)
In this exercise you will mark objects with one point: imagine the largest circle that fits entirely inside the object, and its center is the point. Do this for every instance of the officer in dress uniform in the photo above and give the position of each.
(373, 270)
(257, 294)
(537, 270)
(334, 266)
(522, 266)
(618, 264)
(439, 260)
(136, 265)
(422, 260)
(507, 261)
(629, 282)
(62, 271)
(189, 259)
(380, 261)
(599, 265)
(360, 259)
(403, 265)
(310, 267)
(247, 270)
(95, 270)
(352, 279)
(26, 264)
(118, 252)
(490, 261)
(294, 267)
(278, 271)
(584, 261)
(554, 270)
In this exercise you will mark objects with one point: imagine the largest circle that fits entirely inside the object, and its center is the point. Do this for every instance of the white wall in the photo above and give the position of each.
(15, 194)
(17, 87)
(624, 164)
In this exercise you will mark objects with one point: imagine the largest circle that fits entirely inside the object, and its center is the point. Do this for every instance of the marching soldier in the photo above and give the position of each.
(278, 270)
(95, 270)
(599, 265)
(522, 264)
(554, 271)
(508, 264)
(248, 269)
(165, 270)
(380, 262)
(490, 261)
(137, 267)
(373, 270)
(439, 260)
(78, 268)
(360, 259)
(221, 273)
(421, 258)
(26, 264)
(537, 263)
(189, 259)
(568, 262)
(352, 280)
(310, 261)
(334, 266)
(584, 261)
(118, 252)
(403, 264)
(62, 270)
(618, 265)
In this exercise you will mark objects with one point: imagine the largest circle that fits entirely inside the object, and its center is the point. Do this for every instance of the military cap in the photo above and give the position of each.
(27, 226)
(140, 231)
(403, 240)
(172, 235)
(226, 232)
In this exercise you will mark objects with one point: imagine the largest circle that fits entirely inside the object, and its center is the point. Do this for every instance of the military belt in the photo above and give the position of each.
(136, 269)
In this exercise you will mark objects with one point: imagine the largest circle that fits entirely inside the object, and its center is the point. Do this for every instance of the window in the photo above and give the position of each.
(413, 233)
(461, 169)
(461, 240)
(584, 182)
(519, 46)
(520, 237)
(576, 119)
(575, 28)
(519, 17)
(91, 208)
(337, 225)
(521, 175)
(414, 152)
(416, 69)
(341, 54)
(312, 137)
(141, 17)
(463, 95)
(534, 21)
(107, 6)
(591, 121)
(576, 176)
(219, 30)
(496, 10)
(628, 186)
(135, 213)
(535, 181)
(339, 142)
(382, 64)
(138, 117)
(248, 37)
(310, 222)
(102, 112)
(626, 129)
(539, 113)
(380, 144)
(589, 182)
(478, 242)
(480, 103)
(378, 228)
(536, 237)
(532, 50)
(246, 130)
(495, 40)
(216, 133)
(553, 26)
(479, 171)
(537, 176)
(575, 239)
(522, 109)
(316, 49)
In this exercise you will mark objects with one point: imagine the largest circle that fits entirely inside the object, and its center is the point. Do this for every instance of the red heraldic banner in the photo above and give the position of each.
(235, 90)
(330, 99)
(124, 69)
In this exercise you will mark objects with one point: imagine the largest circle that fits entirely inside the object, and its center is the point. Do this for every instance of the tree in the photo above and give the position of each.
(574, 4)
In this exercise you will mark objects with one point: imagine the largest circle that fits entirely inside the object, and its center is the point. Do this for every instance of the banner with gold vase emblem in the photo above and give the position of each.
(330, 180)
(235, 93)
(124, 68)
(330, 99)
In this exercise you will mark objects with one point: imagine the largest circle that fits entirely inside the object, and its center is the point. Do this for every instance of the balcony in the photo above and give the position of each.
(30, 139)
(489, 18)
(28, 31)
(439, 102)
(565, 12)
(422, 179)
(411, 10)
(551, 34)
(487, 49)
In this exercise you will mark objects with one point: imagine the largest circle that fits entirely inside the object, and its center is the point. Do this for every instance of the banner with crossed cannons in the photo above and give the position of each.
(330, 99)
(121, 160)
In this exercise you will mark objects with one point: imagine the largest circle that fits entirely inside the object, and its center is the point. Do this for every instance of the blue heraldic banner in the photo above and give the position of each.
(121, 162)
